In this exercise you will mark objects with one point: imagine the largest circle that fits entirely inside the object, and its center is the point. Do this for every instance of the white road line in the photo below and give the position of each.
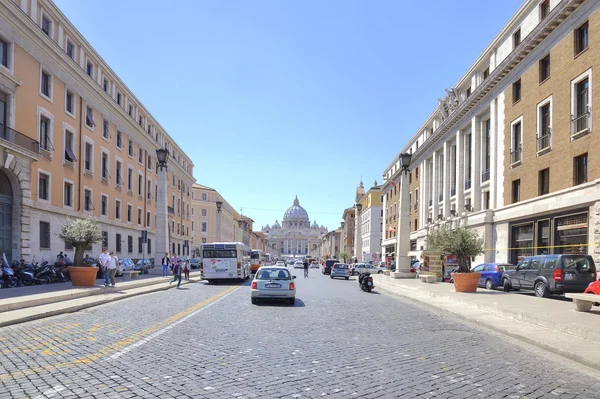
(167, 328)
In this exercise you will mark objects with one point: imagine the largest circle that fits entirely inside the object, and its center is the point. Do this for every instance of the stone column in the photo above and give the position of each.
(161, 244)
(435, 176)
(422, 196)
(476, 164)
(403, 241)
(447, 173)
(460, 172)
(493, 149)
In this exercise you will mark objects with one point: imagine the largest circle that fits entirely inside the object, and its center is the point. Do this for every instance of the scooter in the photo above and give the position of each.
(8, 277)
(23, 274)
(365, 282)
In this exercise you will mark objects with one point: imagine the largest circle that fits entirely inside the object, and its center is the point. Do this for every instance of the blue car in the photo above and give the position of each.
(491, 274)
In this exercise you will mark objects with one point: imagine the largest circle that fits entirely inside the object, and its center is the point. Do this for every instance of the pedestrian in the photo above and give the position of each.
(104, 256)
(186, 270)
(165, 265)
(305, 268)
(173, 260)
(176, 274)
(112, 267)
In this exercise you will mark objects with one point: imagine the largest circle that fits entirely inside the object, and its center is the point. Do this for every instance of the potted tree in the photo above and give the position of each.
(464, 244)
(81, 233)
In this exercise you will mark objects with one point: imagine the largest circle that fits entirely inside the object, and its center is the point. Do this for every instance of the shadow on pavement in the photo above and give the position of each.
(225, 283)
(278, 303)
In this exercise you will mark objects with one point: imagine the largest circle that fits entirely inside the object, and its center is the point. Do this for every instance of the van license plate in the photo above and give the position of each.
(273, 285)
(569, 276)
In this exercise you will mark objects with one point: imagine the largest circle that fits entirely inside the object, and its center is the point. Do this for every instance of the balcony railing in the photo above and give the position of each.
(516, 156)
(171, 210)
(452, 191)
(580, 124)
(416, 205)
(485, 175)
(19, 139)
(467, 184)
(543, 143)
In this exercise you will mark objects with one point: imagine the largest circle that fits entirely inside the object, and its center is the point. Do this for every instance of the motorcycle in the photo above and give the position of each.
(8, 277)
(45, 273)
(23, 273)
(365, 282)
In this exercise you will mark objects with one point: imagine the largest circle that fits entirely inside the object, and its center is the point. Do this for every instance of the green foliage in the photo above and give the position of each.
(462, 242)
(80, 233)
(345, 256)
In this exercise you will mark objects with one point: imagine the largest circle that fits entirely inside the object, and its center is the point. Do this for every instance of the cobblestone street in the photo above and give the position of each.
(210, 341)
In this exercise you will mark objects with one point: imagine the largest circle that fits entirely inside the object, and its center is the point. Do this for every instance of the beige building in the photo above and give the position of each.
(77, 142)
(509, 151)
(348, 227)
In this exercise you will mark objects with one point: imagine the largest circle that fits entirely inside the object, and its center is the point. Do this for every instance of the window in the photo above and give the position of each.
(468, 92)
(105, 238)
(140, 243)
(140, 185)
(148, 219)
(44, 186)
(117, 242)
(3, 53)
(149, 162)
(544, 181)
(140, 120)
(486, 200)
(118, 169)
(130, 148)
(90, 69)
(105, 127)
(89, 117)
(70, 49)
(516, 38)
(580, 169)
(544, 9)
(104, 205)
(117, 209)
(129, 179)
(129, 213)
(68, 193)
(516, 91)
(544, 68)
(140, 154)
(88, 206)
(131, 111)
(69, 144)
(119, 139)
(544, 132)
(581, 38)
(140, 216)
(149, 246)
(45, 235)
(106, 85)
(70, 103)
(46, 25)
(203, 212)
(45, 134)
(204, 241)
(119, 99)
(204, 196)
(486, 73)
(105, 174)
(89, 157)
(487, 164)
(581, 97)
(46, 84)
(130, 244)
(516, 191)
(515, 153)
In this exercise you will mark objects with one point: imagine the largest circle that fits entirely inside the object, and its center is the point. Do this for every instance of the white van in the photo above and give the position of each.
(225, 261)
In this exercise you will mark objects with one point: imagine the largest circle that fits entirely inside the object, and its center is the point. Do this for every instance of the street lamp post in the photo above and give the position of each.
(161, 245)
(219, 205)
(403, 240)
(358, 251)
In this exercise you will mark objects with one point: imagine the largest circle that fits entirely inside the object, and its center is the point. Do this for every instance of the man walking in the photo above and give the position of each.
(176, 274)
(305, 268)
(165, 265)
(112, 267)
(104, 257)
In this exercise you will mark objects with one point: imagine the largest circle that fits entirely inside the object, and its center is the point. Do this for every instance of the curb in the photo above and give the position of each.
(487, 325)
(77, 307)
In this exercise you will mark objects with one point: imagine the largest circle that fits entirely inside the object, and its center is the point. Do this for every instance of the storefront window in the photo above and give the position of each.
(543, 240)
(522, 242)
(571, 235)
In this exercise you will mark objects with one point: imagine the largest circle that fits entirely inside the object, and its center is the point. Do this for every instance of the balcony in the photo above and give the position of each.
(543, 144)
(516, 157)
(171, 210)
(468, 184)
(485, 176)
(580, 125)
(19, 139)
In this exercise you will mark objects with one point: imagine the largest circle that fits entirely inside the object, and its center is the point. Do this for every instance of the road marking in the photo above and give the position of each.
(167, 328)
(106, 351)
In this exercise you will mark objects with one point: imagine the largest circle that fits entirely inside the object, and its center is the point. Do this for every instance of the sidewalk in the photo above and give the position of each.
(18, 305)
(552, 324)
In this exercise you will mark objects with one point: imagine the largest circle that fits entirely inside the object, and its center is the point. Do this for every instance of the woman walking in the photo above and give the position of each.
(176, 274)
(186, 270)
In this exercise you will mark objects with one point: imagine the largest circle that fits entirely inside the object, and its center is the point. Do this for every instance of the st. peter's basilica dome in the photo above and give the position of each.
(295, 213)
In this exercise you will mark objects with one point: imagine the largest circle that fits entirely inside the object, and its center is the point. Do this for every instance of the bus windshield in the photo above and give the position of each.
(255, 255)
(219, 253)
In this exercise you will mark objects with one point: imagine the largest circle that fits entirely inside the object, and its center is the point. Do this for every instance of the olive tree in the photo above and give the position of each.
(462, 242)
(80, 233)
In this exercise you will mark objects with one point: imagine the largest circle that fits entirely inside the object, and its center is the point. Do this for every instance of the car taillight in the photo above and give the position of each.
(558, 275)
(496, 269)
(254, 286)
(292, 286)
(239, 264)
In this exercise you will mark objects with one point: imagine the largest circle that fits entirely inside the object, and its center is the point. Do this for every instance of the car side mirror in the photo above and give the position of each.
(293, 277)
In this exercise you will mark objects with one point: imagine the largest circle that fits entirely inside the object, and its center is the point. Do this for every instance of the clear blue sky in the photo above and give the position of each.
(273, 98)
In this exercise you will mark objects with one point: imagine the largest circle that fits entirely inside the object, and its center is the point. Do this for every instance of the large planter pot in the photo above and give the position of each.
(83, 276)
(466, 282)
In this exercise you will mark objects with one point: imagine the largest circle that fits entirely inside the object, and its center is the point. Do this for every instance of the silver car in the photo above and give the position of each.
(273, 282)
(340, 270)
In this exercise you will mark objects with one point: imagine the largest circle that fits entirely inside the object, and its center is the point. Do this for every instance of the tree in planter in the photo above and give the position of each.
(461, 242)
(80, 233)
(345, 256)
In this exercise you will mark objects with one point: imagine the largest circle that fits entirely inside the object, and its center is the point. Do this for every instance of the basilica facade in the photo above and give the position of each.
(295, 236)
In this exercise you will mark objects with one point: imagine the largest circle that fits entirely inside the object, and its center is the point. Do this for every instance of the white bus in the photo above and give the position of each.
(225, 261)
(256, 260)
(268, 259)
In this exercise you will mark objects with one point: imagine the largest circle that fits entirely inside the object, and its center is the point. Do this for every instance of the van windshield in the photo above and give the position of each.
(580, 263)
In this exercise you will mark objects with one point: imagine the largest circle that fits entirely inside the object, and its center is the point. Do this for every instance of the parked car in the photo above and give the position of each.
(298, 265)
(551, 274)
(366, 267)
(328, 265)
(340, 270)
(195, 263)
(491, 274)
(125, 264)
(280, 263)
(273, 282)
(314, 265)
(143, 265)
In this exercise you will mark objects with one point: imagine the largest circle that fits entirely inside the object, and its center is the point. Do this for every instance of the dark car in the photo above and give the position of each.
(328, 264)
(195, 263)
(143, 265)
(551, 274)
